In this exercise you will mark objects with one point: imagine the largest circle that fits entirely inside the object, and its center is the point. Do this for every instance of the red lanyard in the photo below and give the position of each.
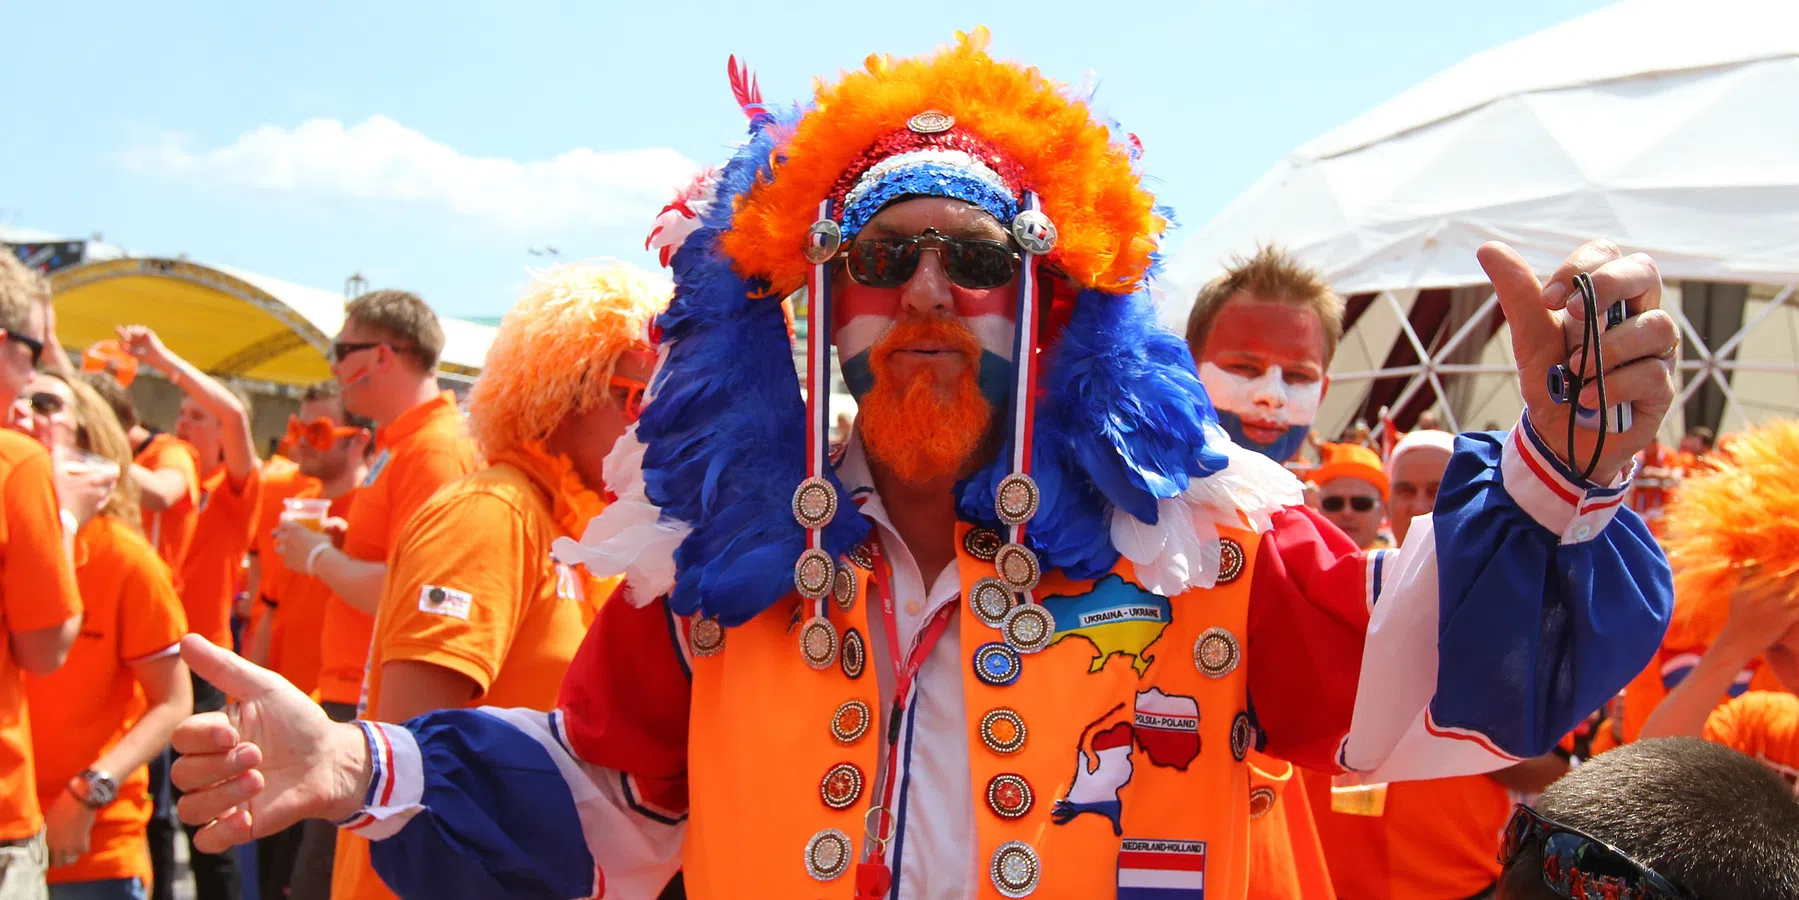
(873, 877)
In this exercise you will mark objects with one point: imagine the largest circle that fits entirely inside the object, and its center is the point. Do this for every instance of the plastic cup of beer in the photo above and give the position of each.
(79, 461)
(307, 513)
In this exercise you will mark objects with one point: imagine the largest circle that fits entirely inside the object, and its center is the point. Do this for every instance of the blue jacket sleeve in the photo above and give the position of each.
(481, 807)
(1551, 594)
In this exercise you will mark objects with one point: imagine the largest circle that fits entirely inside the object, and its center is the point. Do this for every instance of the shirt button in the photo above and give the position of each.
(1583, 532)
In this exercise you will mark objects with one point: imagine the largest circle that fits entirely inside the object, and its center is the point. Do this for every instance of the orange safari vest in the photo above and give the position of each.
(1118, 699)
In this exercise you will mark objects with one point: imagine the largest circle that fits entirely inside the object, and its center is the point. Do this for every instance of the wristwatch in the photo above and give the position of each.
(94, 789)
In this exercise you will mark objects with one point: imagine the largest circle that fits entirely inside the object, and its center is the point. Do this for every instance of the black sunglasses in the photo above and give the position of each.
(1335, 504)
(341, 349)
(975, 263)
(46, 404)
(30, 343)
(1579, 866)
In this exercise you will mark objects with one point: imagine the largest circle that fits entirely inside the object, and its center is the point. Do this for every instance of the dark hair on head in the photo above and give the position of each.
(115, 395)
(329, 389)
(1705, 817)
(1703, 433)
(404, 319)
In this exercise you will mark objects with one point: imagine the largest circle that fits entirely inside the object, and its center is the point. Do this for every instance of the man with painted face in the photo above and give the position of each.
(1263, 334)
(1004, 644)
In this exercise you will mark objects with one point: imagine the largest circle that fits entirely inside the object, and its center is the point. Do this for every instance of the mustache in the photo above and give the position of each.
(939, 335)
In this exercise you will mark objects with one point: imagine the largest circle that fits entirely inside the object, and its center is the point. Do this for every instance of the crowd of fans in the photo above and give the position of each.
(326, 562)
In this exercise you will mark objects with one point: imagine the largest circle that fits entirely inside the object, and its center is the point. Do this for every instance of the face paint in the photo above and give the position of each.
(1264, 413)
(866, 314)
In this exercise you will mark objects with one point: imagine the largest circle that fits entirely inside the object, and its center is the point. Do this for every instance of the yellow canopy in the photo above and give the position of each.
(226, 322)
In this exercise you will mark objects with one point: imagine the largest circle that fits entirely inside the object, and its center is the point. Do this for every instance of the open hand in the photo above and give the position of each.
(1546, 331)
(282, 761)
(141, 342)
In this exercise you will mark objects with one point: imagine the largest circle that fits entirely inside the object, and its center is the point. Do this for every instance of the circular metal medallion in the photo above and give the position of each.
(1016, 499)
(1230, 560)
(997, 664)
(1034, 232)
(982, 543)
(822, 241)
(851, 721)
(818, 642)
(1017, 567)
(1009, 796)
(843, 588)
(1261, 801)
(814, 502)
(990, 600)
(1003, 731)
(1028, 628)
(1015, 869)
(828, 854)
(812, 574)
(864, 555)
(1243, 735)
(854, 655)
(1216, 652)
(841, 787)
(705, 636)
(930, 122)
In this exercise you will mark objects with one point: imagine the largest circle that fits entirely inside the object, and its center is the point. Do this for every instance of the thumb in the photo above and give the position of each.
(236, 676)
(1520, 295)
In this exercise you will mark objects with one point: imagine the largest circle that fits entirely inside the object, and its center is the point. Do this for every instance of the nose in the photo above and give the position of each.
(927, 292)
(1270, 389)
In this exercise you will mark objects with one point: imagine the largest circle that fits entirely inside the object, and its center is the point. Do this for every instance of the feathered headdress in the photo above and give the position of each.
(1114, 442)
(1740, 509)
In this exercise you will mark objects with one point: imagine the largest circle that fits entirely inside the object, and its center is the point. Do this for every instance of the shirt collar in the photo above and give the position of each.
(415, 419)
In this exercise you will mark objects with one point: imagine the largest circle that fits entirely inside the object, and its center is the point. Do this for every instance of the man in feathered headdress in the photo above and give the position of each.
(1002, 645)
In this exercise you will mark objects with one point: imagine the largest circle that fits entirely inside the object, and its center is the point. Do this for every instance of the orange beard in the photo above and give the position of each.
(917, 429)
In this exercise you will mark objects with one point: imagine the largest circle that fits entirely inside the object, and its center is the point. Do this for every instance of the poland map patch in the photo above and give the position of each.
(1161, 870)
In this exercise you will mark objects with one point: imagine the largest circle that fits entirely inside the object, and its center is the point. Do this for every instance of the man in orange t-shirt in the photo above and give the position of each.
(331, 449)
(215, 420)
(282, 480)
(475, 609)
(385, 358)
(40, 607)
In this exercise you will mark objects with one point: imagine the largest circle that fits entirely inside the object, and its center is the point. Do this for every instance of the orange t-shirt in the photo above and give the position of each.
(473, 589)
(1437, 839)
(82, 709)
(281, 480)
(221, 538)
(1286, 860)
(417, 453)
(300, 601)
(37, 591)
(172, 530)
(1762, 724)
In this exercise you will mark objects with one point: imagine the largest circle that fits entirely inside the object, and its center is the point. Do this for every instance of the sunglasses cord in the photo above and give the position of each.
(1589, 347)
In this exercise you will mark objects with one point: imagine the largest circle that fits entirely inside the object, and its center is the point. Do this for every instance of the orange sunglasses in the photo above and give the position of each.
(632, 401)
(321, 432)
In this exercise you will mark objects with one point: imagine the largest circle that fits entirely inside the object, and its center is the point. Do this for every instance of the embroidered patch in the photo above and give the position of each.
(1161, 870)
(1230, 561)
(1115, 616)
(443, 601)
(1243, 736)
(377, 467)
(982, 543)
(1167, 728)
(1102, 767)
(854, 654)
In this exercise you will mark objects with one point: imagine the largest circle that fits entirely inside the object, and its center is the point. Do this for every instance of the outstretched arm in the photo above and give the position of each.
(234, 420)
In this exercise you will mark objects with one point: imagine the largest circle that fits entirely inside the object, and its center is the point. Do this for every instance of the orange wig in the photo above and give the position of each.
(1088, 182)
(561, 339)
(1740, 510)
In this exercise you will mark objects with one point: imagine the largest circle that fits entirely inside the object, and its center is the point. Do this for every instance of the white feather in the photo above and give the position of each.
(630, 536)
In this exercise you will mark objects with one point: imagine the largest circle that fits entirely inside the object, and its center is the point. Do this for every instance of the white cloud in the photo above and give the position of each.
(379, 159)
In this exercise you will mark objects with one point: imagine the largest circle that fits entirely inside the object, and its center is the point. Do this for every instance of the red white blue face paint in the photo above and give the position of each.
(1265, 413)
(865, 314)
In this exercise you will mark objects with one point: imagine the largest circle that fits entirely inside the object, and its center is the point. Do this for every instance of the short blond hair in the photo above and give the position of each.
(1270, 274)
(404, 318)
(20, 290)
(563, 337)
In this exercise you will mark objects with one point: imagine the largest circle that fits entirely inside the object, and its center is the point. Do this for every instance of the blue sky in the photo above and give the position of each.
(432, 146)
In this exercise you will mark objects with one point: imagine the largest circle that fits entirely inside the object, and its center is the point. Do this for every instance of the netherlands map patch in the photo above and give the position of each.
(1161, 870)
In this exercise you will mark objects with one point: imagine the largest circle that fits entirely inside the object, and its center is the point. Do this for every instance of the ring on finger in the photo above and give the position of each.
(1668, 353)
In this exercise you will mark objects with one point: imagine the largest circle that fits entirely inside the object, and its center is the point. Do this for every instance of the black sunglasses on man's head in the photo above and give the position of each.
(1578, 866)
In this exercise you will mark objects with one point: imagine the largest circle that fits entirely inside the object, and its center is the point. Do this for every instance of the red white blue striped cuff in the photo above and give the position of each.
(1549, 492)
(396, 785)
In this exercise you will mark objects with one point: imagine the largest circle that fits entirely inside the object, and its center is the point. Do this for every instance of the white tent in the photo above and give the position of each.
(1669, 126)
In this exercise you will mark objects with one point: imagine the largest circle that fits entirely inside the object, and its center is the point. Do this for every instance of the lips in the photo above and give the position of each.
(1263, 431)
